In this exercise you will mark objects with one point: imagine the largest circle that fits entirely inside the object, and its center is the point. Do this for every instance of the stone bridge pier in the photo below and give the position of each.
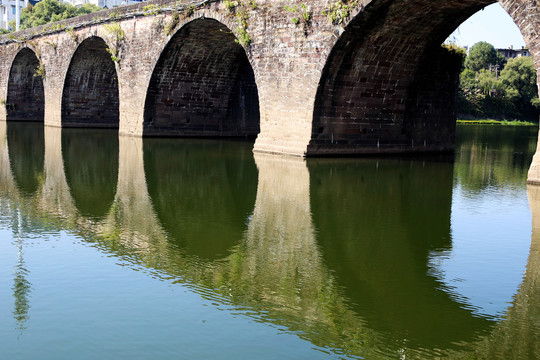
(307, 78)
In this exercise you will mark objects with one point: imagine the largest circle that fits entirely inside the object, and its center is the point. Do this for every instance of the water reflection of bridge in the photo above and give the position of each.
(270, 243)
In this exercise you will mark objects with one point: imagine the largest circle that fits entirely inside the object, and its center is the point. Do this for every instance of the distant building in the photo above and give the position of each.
(511, 53)
(8, 10)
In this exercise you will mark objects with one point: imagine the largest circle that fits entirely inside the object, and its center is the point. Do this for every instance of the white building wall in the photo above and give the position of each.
(7, 11)
(7, 7)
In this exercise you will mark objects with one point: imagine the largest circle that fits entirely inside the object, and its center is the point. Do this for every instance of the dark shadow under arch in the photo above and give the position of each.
(91, 97)
(387, 86)
(202, 85)
(25, 96)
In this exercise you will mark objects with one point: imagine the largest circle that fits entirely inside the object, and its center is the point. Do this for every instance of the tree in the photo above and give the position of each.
(468, 83)
(484, 93)
(483, 55)
(487, 82)
(47, 11)
(518, 80)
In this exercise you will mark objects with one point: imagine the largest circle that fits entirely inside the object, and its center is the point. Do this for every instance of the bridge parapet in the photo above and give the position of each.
(151, 8)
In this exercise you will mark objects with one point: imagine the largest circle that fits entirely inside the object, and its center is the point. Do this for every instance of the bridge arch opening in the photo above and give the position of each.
(203, 85)
(25, 95)
(388, 86)
(91, 96)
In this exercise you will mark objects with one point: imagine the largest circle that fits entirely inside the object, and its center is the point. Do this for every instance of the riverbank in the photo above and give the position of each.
(496, 122)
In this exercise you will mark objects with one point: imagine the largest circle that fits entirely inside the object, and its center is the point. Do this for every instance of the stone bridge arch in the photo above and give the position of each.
(300, 69)
(90, 96)
(202, 85)
(25, 98)
(387, 85)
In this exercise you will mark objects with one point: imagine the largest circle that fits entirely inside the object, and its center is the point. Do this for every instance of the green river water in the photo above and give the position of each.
(129, 248)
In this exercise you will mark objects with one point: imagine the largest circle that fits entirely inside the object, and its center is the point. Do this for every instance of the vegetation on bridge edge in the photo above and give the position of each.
(339, 12)
(495, 122)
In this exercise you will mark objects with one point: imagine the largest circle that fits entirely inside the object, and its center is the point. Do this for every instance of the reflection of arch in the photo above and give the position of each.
(517, 336)
(387, 85)
(91, 168)
(377, 224)
(25, 95)
(131, 220)
(201, 194)
(283, 269)
(202, 85)
(56, 198)
(26, 148)
(90, 96)
(7, 182)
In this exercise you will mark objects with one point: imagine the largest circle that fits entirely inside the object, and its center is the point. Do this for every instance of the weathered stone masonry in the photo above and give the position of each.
(306, 80)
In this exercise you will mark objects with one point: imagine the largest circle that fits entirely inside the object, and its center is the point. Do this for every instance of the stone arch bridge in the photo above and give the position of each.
(305, 78)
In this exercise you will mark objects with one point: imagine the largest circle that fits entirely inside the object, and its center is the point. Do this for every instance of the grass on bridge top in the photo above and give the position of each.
(496, 122)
